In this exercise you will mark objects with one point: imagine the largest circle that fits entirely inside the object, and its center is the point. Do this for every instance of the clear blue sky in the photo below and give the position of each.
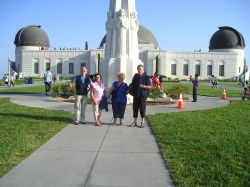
(178, 25)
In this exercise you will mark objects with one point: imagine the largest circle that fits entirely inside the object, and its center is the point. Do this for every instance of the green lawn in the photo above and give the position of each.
(24, 90)
(206, 148)
(206, 90)
(232, 84)
(217, 92)
(24, 129)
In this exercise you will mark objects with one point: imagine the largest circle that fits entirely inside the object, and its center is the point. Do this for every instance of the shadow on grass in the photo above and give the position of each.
(36, 117)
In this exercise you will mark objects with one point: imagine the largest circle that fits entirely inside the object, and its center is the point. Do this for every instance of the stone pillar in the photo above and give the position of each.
(121, 49)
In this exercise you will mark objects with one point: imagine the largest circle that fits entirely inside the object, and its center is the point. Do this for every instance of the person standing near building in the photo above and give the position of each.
(82, 85)
(47, 77)
(119, 97)
(195, 82)
(139, 88)
(12, 82)
(97, 92)
(215, 84)
(54, 78)
(156, 81)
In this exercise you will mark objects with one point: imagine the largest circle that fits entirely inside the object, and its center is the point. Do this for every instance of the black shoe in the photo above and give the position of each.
(133, 124)
(194, 101)
(82, 122)
(76, 123)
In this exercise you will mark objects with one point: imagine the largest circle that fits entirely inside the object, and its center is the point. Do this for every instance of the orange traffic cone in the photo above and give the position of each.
(224, 95)
(180, 103)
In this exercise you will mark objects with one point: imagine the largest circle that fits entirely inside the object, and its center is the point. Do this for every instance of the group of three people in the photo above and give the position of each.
(139, 89)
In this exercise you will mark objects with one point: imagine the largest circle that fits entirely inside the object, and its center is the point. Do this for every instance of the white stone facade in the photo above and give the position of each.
(26, 59)
(65, 63)
(223, 65)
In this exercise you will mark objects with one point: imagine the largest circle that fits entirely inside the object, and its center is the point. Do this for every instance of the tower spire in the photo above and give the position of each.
(121, 49)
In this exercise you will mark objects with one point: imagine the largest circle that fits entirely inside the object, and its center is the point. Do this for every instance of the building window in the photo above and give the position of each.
(173, 69)
(197, 69)
(59, 68)
(185, 69)
(36, 66)
(71, 68)
(209, 70)
(221, 70)
(83, 65)
(47, 65)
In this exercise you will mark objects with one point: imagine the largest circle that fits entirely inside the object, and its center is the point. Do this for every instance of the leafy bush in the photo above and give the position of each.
(66, 91)
(2, 83)
(155, 93)
(169, 79)
(175, 90)
(19, 81)
(55, 90)
(62, 90)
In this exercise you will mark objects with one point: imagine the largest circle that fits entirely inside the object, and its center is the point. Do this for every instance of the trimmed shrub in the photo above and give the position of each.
(56, 89)
(62, 90)
(66, 91)
(175, 91)
(155, 93)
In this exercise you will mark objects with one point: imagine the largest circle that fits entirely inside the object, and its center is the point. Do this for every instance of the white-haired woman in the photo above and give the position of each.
(119, 97)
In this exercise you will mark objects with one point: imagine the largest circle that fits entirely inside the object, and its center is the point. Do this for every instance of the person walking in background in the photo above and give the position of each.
(47, 81)
(156, 81)
(215, 83)
(139, 88)
(82, 85)
(97, 91)
(54, 78)
(195, 82)
(118, 91)
(12, 82)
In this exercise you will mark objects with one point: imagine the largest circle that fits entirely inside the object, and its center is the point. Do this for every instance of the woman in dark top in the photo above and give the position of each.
(119, 97)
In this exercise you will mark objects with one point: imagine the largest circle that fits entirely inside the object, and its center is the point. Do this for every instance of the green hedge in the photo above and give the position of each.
(175, 90)
(62, 90)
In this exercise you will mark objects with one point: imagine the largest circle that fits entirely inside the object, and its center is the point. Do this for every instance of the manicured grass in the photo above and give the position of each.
(206, 148)
(24, 129)
(232, 84)
(206, 90)
(24, 90)
(217, 92)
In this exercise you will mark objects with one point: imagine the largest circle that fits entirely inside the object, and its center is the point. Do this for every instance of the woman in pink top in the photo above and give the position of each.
(97, 91)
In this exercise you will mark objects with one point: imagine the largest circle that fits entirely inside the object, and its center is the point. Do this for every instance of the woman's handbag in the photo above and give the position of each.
(131, 89)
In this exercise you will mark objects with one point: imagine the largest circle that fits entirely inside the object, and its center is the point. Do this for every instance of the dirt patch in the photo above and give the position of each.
(161, 102)
(61, 99)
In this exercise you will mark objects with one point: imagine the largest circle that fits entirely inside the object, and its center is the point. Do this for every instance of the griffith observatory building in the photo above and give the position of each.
(225, 58)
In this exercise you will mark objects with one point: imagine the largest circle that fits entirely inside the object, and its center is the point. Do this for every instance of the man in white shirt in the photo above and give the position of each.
(47, 81)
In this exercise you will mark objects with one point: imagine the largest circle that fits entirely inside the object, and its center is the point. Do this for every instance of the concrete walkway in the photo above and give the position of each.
(90, 156)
